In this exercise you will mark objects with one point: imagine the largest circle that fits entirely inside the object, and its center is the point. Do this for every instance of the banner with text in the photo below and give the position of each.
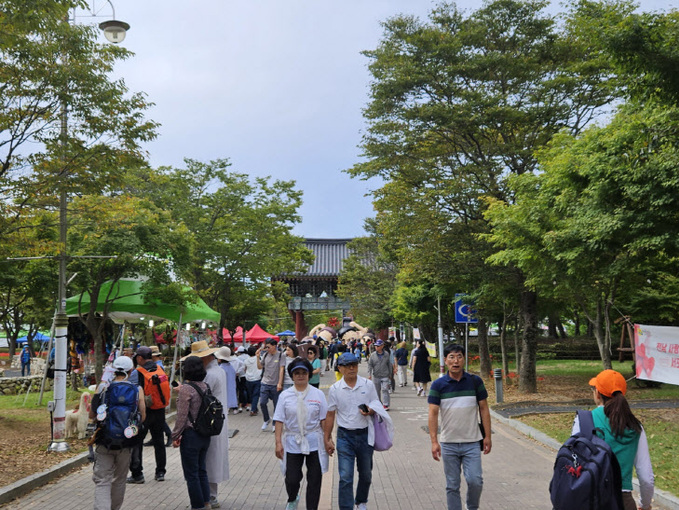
(657, 353)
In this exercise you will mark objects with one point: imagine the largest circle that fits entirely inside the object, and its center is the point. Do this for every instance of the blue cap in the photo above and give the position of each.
(379, 342)
(347, 359)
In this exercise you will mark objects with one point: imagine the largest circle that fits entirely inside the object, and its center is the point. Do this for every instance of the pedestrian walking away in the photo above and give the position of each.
(192, 446)
(459, 398)
(217, 457)
(624, 434)
(420, 364)
(351, 401)
(401, 355)
(299, 419)
(120, 410)
(157, 395)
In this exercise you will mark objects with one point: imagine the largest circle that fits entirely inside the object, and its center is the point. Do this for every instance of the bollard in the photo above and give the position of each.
(499, 397)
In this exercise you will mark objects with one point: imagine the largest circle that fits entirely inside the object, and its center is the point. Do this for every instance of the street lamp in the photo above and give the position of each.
(115, 34)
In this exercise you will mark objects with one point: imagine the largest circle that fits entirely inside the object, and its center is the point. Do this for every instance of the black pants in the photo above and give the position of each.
(155, 420)
(293, 477)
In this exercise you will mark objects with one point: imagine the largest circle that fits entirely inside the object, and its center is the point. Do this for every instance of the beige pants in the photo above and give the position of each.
(110, 477)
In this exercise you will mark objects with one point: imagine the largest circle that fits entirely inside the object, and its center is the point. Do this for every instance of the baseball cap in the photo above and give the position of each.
(123, 364)
(144, 352)
(347, 359)
(379, 342)
(608, 382)
(298, 363)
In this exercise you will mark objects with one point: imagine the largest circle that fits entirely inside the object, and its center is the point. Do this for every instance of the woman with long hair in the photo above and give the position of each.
(624, 434)
(299, 418)
(192, 446)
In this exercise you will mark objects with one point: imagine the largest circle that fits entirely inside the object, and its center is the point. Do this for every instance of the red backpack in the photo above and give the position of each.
(156, 386)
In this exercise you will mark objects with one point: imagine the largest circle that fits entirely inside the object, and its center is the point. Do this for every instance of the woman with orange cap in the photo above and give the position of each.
(624, 434)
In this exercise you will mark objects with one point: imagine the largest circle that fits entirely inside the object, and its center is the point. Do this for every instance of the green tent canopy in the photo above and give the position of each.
(127, 303)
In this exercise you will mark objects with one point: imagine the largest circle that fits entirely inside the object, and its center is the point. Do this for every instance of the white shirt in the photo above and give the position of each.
(252, 373)
(345, 400)
(286, 412)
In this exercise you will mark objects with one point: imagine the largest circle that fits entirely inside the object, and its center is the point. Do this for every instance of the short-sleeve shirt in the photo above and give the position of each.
(345, 400)
(458, 402)
(286, 412)
(272, 367)
(316, 378)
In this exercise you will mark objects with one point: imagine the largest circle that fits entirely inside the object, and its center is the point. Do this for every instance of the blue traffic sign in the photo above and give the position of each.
(465, 313)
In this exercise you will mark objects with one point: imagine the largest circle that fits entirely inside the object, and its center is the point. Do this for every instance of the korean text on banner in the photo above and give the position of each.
(657, 353)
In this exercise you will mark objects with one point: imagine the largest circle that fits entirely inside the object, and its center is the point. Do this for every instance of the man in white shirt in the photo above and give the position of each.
(353, 438)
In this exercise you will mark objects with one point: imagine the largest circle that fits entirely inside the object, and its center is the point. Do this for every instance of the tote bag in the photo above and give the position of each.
(382, 440)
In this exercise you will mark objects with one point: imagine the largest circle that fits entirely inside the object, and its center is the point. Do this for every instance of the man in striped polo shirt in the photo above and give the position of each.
(459, 397)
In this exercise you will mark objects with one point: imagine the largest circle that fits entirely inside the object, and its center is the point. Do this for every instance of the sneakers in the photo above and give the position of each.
(362, 506)
(265, 425)
(132, 479)
(386, 408)
(160, 478)
(292, 505)
(253, 413)
(420, 391)
(214, 502)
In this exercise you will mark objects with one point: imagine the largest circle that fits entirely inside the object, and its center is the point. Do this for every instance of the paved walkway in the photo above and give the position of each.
(516, 473)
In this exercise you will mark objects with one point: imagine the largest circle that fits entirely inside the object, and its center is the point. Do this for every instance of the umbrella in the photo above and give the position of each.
(127, 303)
(287, 332)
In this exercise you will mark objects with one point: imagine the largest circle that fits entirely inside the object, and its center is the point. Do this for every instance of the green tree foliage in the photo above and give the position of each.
(367, 281)
(241, 233)
(54, 72)
(603, 212)
(458, 103)
(141, 240)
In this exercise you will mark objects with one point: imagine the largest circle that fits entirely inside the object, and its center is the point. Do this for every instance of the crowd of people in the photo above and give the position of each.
(282, 379)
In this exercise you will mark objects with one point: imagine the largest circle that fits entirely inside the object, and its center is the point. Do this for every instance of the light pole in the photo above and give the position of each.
(115, 33)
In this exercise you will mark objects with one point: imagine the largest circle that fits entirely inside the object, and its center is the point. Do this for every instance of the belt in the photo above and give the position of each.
(354, 431)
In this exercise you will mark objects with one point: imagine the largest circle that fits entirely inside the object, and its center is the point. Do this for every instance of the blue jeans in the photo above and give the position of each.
(353, 444)
(467, 456)
(266, 392)
(25, 369)
(253, 393)
(193, 451)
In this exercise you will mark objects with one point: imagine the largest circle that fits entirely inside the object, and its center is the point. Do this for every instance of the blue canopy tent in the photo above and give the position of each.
(39, 337)
(287, 332)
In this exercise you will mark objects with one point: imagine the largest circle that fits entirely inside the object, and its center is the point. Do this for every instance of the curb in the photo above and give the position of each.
(25, 485)
(659, 496)
(28, 484)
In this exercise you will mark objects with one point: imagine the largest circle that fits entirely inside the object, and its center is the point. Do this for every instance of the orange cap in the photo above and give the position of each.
(608, 382)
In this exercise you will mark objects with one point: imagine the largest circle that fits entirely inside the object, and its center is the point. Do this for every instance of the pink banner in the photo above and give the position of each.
(657, 353)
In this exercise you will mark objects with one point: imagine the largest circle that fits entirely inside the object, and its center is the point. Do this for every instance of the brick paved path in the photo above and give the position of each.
(516, 473)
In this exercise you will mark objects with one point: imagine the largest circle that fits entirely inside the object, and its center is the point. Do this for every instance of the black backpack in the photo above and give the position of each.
(210, 419)
(586, 472)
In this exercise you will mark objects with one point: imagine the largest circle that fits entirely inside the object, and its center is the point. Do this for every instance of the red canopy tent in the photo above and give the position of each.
(254, 336)
(226, 335)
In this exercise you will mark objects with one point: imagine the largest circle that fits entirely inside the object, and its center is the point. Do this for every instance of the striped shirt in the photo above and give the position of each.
(458, 402)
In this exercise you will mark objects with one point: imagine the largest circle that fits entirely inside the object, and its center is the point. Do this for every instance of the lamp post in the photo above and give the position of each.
(115, 33)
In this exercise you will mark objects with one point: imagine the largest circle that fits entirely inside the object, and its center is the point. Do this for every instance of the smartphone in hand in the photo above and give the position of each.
(364, 408)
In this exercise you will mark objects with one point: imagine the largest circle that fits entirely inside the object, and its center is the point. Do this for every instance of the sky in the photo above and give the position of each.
(275, 86)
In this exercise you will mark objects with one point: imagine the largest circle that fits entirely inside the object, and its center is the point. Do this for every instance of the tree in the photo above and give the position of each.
(241, 233)
(457, 105)
(367, 281)
(603, 210)
(53, 72)
(145, 243)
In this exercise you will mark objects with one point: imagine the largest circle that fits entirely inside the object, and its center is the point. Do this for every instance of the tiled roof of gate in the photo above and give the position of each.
(329, 257)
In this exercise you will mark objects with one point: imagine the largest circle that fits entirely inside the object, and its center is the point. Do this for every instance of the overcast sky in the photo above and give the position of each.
(275, 86)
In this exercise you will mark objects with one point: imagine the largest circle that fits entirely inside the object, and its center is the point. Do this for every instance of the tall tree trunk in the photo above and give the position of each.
(517, 353)
(561, 329)
(503, 347)
(484, 354)
(529, 345)
(577, 324)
